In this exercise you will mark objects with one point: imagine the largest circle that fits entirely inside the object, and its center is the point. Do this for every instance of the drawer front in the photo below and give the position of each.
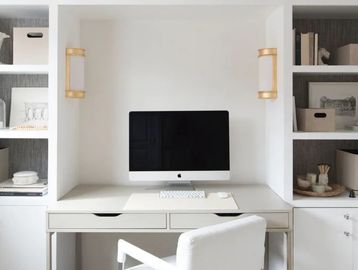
(107, 221)
(192, 221)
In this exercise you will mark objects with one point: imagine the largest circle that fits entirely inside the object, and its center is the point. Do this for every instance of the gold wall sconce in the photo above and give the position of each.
(267, 73)
(75, 73)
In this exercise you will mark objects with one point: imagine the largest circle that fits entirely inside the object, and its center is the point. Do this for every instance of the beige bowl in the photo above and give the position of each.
(303, 183)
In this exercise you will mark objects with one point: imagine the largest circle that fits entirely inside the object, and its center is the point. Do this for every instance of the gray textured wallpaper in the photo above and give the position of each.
(308, 153)
(333, 33)
(27, 154)
(6, 26)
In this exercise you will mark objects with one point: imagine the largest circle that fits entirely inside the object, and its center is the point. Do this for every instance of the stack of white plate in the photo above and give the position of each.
(25, 178)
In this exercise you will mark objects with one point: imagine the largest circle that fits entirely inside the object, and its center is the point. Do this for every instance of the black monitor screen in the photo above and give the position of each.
(179, 141)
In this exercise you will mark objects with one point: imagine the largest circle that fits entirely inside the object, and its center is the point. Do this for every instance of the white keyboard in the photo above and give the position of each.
(182, 194)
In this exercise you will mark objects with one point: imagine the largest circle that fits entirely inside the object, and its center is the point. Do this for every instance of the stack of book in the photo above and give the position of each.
(8, 188)
(305, 48)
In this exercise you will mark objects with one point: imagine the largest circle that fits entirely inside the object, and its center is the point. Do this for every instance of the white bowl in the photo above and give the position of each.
(25, 180)
(303, 183)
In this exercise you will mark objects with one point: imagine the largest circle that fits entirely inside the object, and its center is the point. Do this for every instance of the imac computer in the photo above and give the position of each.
(179, 146)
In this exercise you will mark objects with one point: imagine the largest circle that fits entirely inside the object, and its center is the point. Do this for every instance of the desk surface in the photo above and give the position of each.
(112, 199)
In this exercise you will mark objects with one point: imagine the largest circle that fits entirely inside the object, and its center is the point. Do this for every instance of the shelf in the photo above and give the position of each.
(338, 135)
(24, 69)
(325, 69)
(339, 201)
(23, 134)
(18, 200)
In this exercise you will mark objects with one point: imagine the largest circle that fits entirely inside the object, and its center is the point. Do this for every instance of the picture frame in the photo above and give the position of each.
(29, 108)
(342, 96)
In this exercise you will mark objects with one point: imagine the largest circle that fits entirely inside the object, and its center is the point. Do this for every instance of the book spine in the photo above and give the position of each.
(311, 48)
(305, 49)
(298, 49)
(294, 46)
(30, 194)
(316, 49)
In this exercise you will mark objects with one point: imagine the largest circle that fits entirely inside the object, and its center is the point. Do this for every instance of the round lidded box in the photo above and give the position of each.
(25, 178)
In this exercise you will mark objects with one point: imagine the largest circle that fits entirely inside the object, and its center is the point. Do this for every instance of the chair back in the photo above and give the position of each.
(234, 245)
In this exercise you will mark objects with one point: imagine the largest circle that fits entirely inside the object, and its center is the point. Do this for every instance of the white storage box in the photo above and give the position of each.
(347, 55)
(347, 168)
(4, 164)
(30, 45)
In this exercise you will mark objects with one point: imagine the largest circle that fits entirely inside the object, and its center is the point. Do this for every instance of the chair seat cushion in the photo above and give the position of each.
(171, 260)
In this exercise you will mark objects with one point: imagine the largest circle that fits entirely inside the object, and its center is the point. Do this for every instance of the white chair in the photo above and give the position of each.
(232, 245)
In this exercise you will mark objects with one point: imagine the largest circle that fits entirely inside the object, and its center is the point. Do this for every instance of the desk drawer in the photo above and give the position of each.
(107, 221)
(192, 221)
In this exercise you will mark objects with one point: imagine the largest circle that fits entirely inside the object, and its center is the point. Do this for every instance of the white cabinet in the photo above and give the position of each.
(23, 237)
(325, 238)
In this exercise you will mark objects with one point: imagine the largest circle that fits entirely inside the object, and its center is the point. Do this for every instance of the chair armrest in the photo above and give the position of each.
(125, 248)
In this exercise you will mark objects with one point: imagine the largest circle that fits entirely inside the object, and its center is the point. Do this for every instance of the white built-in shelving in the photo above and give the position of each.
(342, 200)
(32, 16)
(23, 134)
(352, 69)
(23, 200)
(310, 13)
(338, 135)
(24, 69)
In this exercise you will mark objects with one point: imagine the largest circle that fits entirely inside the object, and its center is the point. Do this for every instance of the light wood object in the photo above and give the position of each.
(336, 190)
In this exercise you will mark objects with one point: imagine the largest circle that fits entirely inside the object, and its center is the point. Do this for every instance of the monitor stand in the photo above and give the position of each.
(178, 186)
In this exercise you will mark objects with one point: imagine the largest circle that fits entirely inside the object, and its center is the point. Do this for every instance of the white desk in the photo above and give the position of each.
(102, 208)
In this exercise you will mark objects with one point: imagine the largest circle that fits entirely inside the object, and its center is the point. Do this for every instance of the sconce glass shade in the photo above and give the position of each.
(75, 73)
(267, 73)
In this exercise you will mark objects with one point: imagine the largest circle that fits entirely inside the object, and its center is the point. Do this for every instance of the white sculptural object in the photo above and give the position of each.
(3, 36)
(323, 53)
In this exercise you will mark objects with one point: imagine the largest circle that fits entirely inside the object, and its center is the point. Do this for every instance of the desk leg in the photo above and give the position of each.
(49, 250)
(289, 250)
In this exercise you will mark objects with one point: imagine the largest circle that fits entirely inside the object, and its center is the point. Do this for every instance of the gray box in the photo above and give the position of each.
(316, 120)
(347, 55)
(347, 168)
(4, 164)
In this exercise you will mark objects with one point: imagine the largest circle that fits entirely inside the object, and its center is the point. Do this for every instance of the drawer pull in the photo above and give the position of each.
(107, 214)
(228, 214)
(347, 217)
(347, 234)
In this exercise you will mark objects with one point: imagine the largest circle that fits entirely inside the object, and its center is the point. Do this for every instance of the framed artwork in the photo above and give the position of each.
(342, 96)
(29, 108)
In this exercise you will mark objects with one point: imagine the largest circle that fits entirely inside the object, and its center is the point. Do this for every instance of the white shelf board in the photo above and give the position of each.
(339, 201)
(24, 69)
(23, 200)
(338, 135)
(23, 134)
(325, 69)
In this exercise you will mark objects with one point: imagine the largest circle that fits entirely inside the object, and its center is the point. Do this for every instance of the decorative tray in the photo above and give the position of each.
(336, 190)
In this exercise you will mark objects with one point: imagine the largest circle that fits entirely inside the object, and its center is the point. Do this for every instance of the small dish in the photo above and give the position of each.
(319, 188)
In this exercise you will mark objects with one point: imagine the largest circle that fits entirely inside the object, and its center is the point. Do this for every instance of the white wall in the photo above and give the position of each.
(176, 61)
(67, 137)
(68, 116)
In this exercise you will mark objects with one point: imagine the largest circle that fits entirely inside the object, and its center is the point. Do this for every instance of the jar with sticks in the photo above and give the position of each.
(323, 174)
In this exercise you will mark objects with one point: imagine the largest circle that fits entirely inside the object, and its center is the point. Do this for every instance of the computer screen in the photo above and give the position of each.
(179, 145)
